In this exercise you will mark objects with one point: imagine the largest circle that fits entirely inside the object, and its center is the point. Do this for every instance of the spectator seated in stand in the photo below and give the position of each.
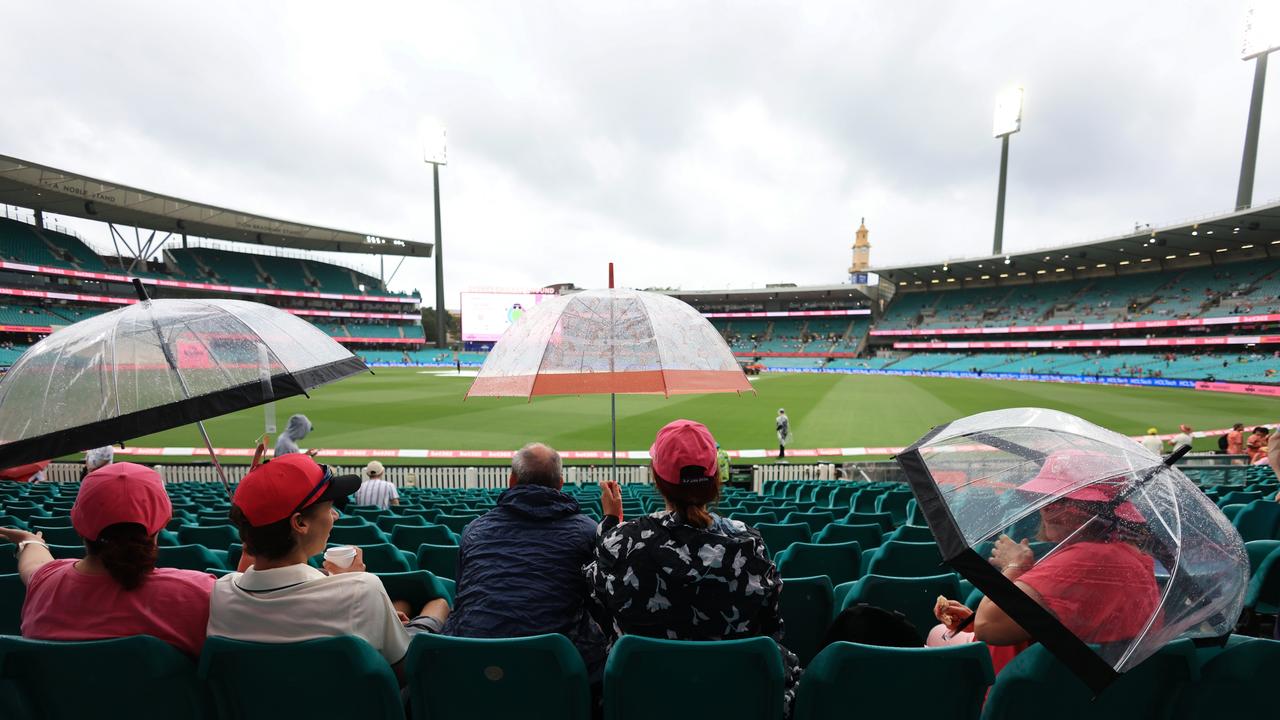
(686, 574)
(520, 565)
(375, 490)
(284, 509)
(116, 590)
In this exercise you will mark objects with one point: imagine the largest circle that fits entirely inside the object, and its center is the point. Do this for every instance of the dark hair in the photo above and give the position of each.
(1262, 429)
(690, 499)
(871, 625)
(269, 542)
(126, 551)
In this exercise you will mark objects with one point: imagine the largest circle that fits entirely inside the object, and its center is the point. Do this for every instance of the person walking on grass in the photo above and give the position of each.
(783, 425)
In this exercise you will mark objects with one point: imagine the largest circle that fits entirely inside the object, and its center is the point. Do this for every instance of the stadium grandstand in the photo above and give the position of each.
(49, 277)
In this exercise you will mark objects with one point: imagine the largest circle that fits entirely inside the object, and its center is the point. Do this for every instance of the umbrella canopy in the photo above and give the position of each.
(610, 341)
(1135, 555)
(156, 365)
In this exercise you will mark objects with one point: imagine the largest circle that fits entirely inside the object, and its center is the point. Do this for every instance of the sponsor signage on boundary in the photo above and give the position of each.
(1242, 388)
(113, 277)
(744, 353)
(787, 313)
(33, 329)
(566, 454)
(1084, 327)
(1098, 343)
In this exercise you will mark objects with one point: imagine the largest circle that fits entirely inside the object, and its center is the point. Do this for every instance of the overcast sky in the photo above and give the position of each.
(697, 145)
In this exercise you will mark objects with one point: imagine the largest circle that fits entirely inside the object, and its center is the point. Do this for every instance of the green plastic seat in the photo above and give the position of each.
(815, 520)
(806, 604)
(136, 677)
(63, 552)
(1236, 682)
(739, 679)
(338, 677)
(914, 597)
(385, 558)
(12, 593)
(884, 520)
(777, 536)
(388, 523)
(1037, 685)
(894, 503)
(941, 682)
(533, 678)
(1258, 520)
(210, 536)
(440, 560)
(409, 538)
(459, 522)
(58, 535)
(905, 559)
(190, 557)
(416, 587)
(842, 562)
(868, 537)
(350, 521)
(1262, 595)
(357, 535)
(754, 518)
(911, 533)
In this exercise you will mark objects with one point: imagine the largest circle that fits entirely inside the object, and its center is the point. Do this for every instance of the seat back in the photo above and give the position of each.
(441, 560)
(914, 597)
(868, 537)
(777, 536)
(1235, 683)
(388, 523)
(210, 536)
(912, 533)
(415, 587)
(357, 535)
(188, 557)
(538, 678)
(1259, 520)
(1036, 684)
(906, 559)
(245, 679)
(841, 562)
(384, 558)
(816, 520)
(755, 518)
(12, 592)
(409, 538)
(639, 666)
(1262, 595)
(891, 682)
(58, 535)
(457, 522)
(806, 604)
(884, 520)
(130, 677)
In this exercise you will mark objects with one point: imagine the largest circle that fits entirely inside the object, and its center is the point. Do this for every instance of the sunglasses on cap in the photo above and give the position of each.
(320, 485)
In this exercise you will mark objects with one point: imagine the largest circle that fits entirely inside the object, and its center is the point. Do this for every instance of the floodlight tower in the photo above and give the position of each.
(1008, 120)
(435, 153)
(1261, 38)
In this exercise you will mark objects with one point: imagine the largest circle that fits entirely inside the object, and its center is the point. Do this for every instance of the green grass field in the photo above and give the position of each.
(407, 408)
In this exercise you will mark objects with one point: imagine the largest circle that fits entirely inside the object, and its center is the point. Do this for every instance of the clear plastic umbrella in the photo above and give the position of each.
(1129, 553)
(156, 365)
(610, 341)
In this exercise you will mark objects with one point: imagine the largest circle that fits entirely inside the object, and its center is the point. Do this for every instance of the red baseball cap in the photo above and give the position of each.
(288, 484)
(120, 493)
(680, 444)
(1065, 468)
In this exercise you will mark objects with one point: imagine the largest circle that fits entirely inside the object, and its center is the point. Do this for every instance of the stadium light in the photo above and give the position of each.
(1007, 121)
(1261, 38)
(435, 153)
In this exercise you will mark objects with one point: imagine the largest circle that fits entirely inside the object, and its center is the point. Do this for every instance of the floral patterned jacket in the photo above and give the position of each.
(659, 577)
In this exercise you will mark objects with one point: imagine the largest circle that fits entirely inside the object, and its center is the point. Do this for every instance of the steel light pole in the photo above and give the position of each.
(1261, 38)
(1008, 120)
(435, 153)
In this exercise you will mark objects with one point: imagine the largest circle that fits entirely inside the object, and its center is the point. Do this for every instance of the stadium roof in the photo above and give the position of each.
(776, 292)
(1211, 240)
(29, 185)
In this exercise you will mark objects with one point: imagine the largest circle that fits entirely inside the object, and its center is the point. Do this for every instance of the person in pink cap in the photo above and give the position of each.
(685, 573)
(1097, 582)
(116, 590)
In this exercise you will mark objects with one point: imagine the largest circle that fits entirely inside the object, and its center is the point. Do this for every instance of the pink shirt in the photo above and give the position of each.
(65, 604)
(1102, 592)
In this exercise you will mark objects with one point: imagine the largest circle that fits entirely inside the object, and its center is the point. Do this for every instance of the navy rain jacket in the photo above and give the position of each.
(520, 573)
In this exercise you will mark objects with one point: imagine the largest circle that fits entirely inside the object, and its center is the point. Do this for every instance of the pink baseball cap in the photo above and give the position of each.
(1065, 468)
(682, 443)
(121, 492)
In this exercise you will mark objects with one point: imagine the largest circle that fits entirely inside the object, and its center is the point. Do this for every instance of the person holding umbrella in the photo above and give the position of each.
(1097, 582)
(116, 590)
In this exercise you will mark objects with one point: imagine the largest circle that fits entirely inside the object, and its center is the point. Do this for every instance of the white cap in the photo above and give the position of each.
(374, 468)
(98, 457)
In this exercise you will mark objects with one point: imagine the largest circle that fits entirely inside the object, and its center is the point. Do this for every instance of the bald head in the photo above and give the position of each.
(536, 464)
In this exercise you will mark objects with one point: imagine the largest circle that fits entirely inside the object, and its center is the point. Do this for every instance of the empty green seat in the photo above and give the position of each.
(534, 678)
(385, 558)
(815, 520)
(942, 682)
(1037, 685)
(190, 557)
(738, 679)
(905, 559)
(132, 677)
(839, 561)
(409, 538)
(1258, 520)
(884, 520)
(459, 522)
(210, 536)
(388, 523)
(911, 533)
(1236, 682)
(1262, 595)
(357, 535)
(806, 604)
(777, 536)
(338, 677)
(754, 518)
(894, 503)
(416, 587)
(868, 537)
(914, 597)
(59, 535)
(12, 593)
(441, 560)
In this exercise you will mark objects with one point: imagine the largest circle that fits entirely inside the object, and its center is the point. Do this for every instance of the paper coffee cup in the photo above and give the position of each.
(341, 556)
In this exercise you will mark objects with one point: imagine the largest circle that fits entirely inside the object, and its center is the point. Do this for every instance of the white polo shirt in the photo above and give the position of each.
(376, 492)
(298, 602)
